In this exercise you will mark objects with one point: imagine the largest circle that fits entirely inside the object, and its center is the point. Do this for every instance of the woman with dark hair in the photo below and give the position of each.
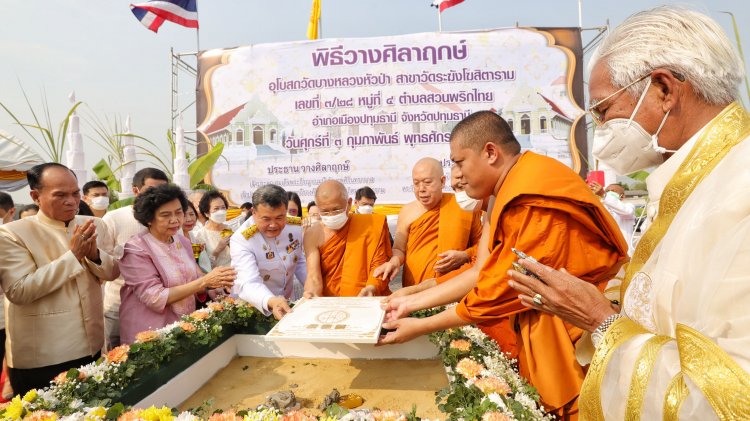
(215, 233)
(161, 276)
(294, 207)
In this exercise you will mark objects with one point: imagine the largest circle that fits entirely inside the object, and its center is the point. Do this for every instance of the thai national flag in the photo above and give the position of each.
(444, 4)
(153, 13)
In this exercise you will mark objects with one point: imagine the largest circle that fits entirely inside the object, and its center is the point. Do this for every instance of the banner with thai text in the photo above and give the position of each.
(364, 110)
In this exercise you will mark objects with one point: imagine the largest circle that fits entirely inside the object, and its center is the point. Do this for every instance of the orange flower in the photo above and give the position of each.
(215, 306)
(380, 415)
(62, 378)
(297, 415)
(495, 416)
(146, 336)
(187, 327)
(199, 315)
(229, 300)
(132, 415)
(119, 354)
(492, 385)
(469, 368)
(225, 416)
(41, 416)
(461, 344)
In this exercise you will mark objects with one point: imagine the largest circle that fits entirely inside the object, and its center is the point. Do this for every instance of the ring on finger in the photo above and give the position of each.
(538, 299)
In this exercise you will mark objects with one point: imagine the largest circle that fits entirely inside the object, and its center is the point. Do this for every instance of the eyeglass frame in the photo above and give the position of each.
(592, 108)
(333, 212)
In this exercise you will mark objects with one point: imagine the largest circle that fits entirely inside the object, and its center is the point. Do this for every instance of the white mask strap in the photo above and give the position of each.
(655, 137)
(640, 101)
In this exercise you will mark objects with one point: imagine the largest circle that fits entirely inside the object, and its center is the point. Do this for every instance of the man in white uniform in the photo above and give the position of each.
(665, 84)
(121, 225)
(267, 253)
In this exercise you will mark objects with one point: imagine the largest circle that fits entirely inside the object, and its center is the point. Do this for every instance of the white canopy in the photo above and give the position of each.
(15, 156)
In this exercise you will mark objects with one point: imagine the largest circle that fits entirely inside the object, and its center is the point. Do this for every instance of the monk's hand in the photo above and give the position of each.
(402, 330)
(367, 291)
(450, 260)
(387, 271)
(395, 308)
(562, 294)
(279, 307)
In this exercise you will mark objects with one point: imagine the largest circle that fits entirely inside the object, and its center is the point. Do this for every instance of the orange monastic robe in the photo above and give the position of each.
(348, 259)
(442, 228)
(547, 211)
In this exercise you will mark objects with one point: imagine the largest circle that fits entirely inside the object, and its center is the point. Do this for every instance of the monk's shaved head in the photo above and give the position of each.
(428, 178)
(331, 190)
(428, 166)
(485, 126)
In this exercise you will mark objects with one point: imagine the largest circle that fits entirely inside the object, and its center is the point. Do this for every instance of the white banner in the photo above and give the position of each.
(363, 110)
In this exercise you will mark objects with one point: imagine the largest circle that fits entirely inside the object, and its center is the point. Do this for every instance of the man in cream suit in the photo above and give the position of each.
(50, 270)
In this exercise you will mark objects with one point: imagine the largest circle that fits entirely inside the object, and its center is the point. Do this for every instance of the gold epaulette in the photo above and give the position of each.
(294, 220)
(250, 231)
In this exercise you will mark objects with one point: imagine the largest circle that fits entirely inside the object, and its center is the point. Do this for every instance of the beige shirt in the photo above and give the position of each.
(53, 304)
(121, 225)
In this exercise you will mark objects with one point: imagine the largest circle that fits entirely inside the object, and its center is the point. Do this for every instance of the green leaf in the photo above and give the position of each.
(336, 411)
(104, 172)
(115, 411)
(739, 48)
(121, 203)
(201, 166)
(639, 175)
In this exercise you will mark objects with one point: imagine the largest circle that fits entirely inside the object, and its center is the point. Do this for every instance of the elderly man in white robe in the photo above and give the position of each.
(664, 88)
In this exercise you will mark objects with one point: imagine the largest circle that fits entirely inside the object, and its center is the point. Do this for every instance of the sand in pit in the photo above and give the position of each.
(384, 384)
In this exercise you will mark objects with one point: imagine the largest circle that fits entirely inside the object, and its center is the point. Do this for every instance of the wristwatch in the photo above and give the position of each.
(600, 331)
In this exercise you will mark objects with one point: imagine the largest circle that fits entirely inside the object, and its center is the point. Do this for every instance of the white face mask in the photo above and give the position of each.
(625, 146)
(219, 216)
(365, 209)
(335, 222)
(465, 202)
(99, 202)
(613, 195)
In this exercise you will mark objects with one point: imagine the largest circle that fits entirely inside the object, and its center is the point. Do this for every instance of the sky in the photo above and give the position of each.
(119, 68)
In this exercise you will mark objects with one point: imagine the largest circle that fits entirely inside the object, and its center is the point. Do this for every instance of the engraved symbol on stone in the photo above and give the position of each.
(332, 316)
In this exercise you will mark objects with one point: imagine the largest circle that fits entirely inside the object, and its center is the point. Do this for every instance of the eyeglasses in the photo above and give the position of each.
(598, 116)
(333, 212)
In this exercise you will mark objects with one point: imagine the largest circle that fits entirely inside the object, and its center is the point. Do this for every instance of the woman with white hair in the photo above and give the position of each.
(676, 343)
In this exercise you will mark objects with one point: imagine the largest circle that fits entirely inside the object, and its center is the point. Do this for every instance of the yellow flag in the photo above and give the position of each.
(312, 27)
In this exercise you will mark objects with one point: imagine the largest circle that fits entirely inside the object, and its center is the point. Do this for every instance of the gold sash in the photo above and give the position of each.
(725, 131)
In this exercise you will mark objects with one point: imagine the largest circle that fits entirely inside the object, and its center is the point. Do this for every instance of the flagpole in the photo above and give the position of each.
(197, 32)
(440, 20)
(580, 14)
(320, 21)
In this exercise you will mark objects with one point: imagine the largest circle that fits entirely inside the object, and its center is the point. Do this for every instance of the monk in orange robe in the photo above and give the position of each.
(434, 235)
(344, 249)
(544, 209)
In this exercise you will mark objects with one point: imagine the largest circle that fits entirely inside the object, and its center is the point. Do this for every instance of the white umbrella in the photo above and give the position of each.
(15, 159)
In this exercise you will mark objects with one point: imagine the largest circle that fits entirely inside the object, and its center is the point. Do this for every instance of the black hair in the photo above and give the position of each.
(6, 201)
(270, 195)
(84, 209)
(246, 206)
(35, 173)
(147, 203)
(311, 204)
(205, 204)
(294, 197)
(95, 184)
(365, 192)
(139, 179)
(26, 208)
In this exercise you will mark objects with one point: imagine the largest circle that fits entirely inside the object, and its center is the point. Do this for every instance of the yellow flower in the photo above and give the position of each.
(469, 368)
(146, 336)
(97, 413)
(41, 416)
(199, 315)
(118, 354)
(15, 411)
(461, 344)
(30, 396)
(157, 414)
(492, 385)
(495, 416)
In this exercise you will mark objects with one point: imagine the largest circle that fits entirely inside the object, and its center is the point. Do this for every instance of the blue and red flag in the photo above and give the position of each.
(153, 13)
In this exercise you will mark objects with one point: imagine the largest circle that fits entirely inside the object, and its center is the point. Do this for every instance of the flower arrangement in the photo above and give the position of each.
(484, 383)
